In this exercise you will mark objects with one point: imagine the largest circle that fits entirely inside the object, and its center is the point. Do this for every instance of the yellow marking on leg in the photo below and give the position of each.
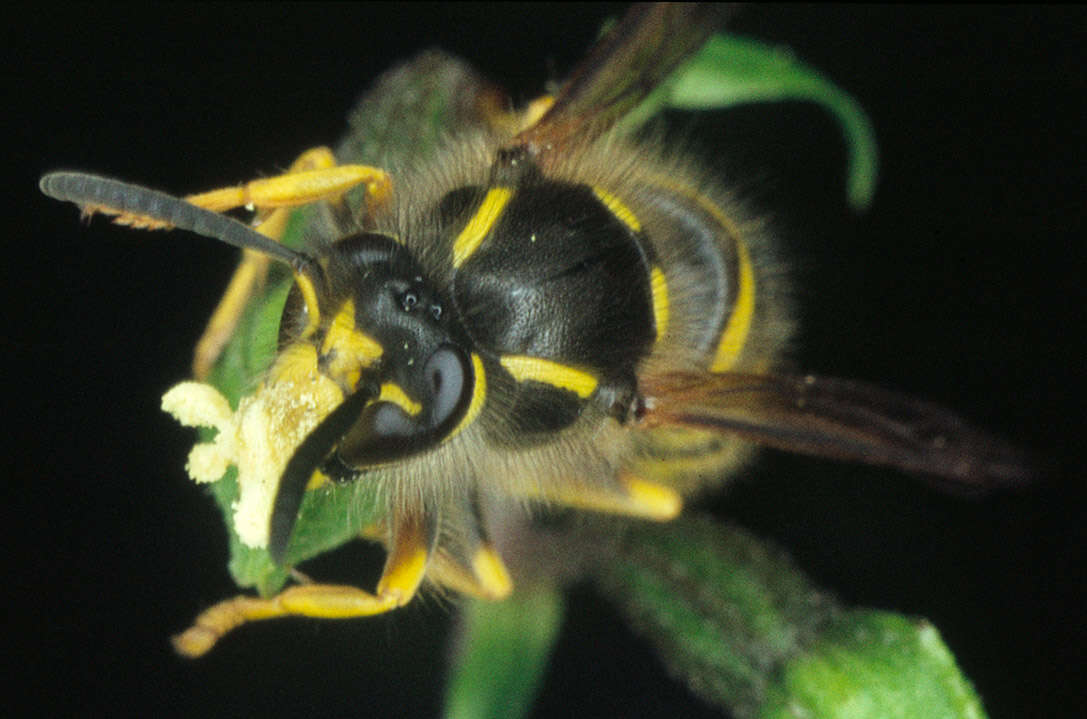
(489, 569)
(481, 223)
(406, 563)
(743, 311)
(295, 188)
(619, 209)
(404, 570)
(524, 368)
(655, 501)
(658, 286)
(322, 601)
(628, 495)
(485, 578)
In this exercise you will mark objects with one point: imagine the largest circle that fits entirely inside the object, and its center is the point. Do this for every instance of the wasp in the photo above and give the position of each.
(545, 314)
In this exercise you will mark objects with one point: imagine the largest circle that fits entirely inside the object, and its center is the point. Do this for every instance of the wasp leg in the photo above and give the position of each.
(411, 545)
(313, 176)
(472, 567)
(628, 495)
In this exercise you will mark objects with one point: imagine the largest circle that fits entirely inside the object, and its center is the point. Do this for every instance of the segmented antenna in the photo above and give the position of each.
(88, 190)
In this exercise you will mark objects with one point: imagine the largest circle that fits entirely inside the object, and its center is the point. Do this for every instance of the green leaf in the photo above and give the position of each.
(501, 652)
(731, 71)
(874, 665)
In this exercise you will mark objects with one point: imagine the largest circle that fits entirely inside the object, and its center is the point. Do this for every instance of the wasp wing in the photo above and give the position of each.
(628, 63)
(835, 418)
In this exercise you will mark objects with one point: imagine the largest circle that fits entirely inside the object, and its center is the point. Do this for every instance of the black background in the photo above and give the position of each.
(961, 285)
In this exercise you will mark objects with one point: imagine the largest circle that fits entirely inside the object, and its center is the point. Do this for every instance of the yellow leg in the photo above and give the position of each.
(313, 176)
(470, 564)
(628, 495)
(483, 576)
(412, 543)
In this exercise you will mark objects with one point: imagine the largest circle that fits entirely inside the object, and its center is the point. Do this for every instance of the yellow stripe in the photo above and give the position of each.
(479, 394)
(309, 296)
(617, 208)
(391, 392)
(473, 234)
(739, 322)
(558, 375)
(658, 285)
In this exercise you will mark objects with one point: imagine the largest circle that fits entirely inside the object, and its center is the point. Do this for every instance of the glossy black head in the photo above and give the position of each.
(407, 400)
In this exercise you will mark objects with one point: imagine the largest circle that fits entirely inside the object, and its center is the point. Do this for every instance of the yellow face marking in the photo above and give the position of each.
(479, 395)
(658, 285)
(491, 573)
(309, 296)
(739, 323)
(349, 349)
(619, 209)
(473, 234)
(525, 368)
(391, 392)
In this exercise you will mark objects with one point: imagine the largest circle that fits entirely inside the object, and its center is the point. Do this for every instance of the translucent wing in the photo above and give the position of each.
(628, 63)
(840, 419)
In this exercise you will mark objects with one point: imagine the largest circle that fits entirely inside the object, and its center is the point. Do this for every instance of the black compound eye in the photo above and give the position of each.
(408, 301)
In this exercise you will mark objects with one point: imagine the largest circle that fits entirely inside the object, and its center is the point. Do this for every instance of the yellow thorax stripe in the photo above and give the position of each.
(618, 208)
(480, 224)
(562, 376)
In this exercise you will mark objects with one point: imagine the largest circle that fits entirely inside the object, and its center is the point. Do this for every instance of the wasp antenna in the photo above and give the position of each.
(92, 190)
